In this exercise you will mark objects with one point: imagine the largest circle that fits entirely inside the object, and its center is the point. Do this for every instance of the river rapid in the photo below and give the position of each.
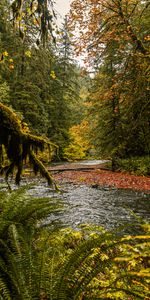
(103, 206)
(106, 207)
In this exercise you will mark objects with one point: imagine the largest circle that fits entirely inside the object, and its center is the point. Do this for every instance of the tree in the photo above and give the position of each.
(79, 143)
(65, 90)
(43, 81)
(102, 20)
(118, 49)
(36, 17)
(106, 129)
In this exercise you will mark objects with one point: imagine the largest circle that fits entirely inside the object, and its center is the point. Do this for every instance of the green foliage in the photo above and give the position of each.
(4, 92)
(107, 267)
(26, 99)
(135, 165)
(43, 80)
(47, 104)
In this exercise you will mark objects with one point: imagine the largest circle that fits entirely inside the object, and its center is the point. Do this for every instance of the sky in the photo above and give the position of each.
(62, 8)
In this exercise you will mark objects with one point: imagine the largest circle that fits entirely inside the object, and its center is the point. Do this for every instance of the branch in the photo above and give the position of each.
(146, 6)
(39, 167)
(140, 47)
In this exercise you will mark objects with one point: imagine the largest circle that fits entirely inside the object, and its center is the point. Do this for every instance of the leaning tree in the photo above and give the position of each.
(18, 145)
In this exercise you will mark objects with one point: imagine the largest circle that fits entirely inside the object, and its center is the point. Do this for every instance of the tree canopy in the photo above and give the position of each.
(38, 80)
(114, 37)
(41, 80)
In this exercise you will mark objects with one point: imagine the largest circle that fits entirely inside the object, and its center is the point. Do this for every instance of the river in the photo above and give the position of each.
(110, 208)
(107, 207)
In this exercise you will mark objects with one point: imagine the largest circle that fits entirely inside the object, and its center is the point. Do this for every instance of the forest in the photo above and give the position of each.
(102, 108)
(67, 93)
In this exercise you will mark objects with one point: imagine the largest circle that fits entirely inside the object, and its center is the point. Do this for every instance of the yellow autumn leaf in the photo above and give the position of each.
(28, 53)
(5, 53)
(11, 66)
(53, 75)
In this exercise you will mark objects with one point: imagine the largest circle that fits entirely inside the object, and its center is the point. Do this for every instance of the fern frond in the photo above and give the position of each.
(19, 256)
(95, 271)
(4, 291)
(19, 207)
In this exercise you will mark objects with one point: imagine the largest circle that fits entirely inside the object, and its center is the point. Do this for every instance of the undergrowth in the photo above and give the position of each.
(135, 165)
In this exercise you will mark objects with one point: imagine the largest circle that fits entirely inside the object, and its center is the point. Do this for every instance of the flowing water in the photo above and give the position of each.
(107, 207)
(110, 208)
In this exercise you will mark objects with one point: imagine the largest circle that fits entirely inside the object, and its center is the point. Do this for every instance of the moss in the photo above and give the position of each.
(19, 145)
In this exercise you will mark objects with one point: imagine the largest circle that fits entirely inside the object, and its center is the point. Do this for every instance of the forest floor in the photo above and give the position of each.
(97, 175)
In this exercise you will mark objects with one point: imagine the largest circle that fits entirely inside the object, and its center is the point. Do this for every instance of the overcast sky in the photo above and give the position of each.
(62, 7)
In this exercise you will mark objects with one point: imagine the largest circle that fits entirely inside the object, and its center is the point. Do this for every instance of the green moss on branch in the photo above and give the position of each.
(19, 146)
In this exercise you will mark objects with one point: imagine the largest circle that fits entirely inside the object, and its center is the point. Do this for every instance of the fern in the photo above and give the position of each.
(37, 262)
(106, 267)
(20, 220)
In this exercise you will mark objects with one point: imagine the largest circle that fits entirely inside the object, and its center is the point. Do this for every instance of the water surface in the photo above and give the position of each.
(107, 207)
(110, 208)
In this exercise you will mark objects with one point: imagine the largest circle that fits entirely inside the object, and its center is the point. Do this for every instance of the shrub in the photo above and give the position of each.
(135, 165)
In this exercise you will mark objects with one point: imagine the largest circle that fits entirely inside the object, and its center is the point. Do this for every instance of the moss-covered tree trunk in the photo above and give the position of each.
(19, 145)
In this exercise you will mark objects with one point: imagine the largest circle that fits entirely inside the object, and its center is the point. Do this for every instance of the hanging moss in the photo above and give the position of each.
(19, 146)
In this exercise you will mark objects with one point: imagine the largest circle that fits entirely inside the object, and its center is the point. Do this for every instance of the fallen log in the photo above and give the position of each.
(75, 167)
